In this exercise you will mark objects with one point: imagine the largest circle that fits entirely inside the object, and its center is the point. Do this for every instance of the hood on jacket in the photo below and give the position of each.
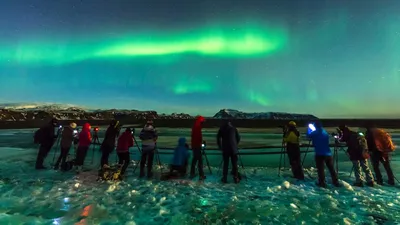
(86, 127)
(182, 141)
(148, 127)
(53, 122)
(199, 120)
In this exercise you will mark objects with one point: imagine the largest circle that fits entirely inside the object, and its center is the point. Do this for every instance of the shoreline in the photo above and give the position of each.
(211, 123)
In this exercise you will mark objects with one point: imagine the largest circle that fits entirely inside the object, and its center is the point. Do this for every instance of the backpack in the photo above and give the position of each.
(37, 137)
(383, 141)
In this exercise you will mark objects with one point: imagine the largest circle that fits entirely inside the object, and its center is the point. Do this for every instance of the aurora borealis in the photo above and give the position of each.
(330, 58)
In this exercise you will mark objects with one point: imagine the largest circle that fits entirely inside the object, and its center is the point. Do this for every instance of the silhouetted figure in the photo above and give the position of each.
(45, 137)
(292, 140)
(196, 142)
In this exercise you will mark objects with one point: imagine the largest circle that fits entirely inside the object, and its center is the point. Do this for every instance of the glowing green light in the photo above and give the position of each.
(258, 98)
(187, 87)
(226, 42)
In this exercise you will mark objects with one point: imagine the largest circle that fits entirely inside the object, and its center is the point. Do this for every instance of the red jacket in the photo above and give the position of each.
(85, 138)
(197, 136)
(125, 141)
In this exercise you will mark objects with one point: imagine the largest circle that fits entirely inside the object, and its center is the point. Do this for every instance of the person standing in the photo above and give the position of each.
(323, 153)
(125, 141)
(67, 137)
(85, 139)
(292, 140)
(228, 139)
(149, 137)
(196, 142)
(108, 144)
(45, 137)
(379, 145)
(357, 149)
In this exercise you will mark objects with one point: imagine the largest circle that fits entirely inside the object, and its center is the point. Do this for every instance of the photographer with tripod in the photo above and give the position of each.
(323, 153)
(197, 141)
(380, 144)
(45, 137)
(291, 137)
(149, 137)
(125, 141)
(357, 149)
(85, 139)
(108, 144)
(67, 137)
(228, 139)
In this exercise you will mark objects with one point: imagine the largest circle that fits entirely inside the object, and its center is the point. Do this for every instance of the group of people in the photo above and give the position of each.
(375, 145)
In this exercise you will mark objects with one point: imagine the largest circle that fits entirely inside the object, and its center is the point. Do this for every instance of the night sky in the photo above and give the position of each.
(328, 58)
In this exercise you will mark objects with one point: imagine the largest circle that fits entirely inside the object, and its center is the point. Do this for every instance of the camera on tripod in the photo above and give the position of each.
(96, 129)
(203, 145)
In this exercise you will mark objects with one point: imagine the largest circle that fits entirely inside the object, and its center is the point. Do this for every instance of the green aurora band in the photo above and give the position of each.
(229, 42)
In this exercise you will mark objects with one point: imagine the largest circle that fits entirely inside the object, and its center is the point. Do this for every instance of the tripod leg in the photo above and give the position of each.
(280, 161)
(208, 164)
(242, 165)
(220, 165)
(57, 147)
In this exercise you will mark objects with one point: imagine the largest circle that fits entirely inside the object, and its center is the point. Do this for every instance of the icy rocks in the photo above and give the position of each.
(130, 223)
(286, 184)
(347, 221)
(347, 186)
(293, 206)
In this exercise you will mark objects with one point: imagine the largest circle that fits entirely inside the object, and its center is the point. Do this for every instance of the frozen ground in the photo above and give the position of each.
(50, 197)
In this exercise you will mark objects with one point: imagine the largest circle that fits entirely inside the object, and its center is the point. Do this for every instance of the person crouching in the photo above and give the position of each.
(125, 141)
(357, 149)
(180, 158)
(85, 139)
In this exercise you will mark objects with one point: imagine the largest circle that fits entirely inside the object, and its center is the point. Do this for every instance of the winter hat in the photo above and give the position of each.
(72, 125)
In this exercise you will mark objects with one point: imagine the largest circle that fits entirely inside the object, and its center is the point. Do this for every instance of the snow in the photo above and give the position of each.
(51, 197)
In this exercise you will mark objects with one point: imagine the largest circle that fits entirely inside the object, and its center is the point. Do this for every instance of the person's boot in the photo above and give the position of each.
(380, 182)
(224, 180)
(320, 184)
(358, 184)
(40, 168)
(370, 183)
(149, 174)
(236, 180)
(202, 177)
(336, 183)
(391, 182)
(141, 174)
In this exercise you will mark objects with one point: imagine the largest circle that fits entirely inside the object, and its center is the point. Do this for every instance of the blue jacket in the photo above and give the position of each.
(181, 153)
(320, 140)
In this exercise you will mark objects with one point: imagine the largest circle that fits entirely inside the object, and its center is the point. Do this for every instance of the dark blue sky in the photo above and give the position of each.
(328, 58)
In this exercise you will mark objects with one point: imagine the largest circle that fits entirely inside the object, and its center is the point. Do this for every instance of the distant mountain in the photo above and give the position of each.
(36, 111)
(236, 114)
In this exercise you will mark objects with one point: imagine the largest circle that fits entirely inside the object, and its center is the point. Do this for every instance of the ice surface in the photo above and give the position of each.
(50, 197)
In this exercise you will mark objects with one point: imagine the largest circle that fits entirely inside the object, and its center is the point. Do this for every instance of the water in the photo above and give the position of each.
(51, 197)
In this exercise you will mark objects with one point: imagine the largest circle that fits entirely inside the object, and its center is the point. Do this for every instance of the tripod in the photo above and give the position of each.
(58, 140)
(94, 143)
(157, 155)
(282, 156)
(241, 165)
(336, 149)
(203, 153)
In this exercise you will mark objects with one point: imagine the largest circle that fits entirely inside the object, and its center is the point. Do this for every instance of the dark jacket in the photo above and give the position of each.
(228, 138)
(125, 141)
(47, 135)
(112, 133)
(320, 141)
(197, 136)
(355, 147)
(181, 153)
(85, 138)
(67, 137)
(149, 136)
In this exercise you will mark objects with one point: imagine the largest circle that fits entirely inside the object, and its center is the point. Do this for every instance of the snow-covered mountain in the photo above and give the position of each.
(236, 114)
(36, 111)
